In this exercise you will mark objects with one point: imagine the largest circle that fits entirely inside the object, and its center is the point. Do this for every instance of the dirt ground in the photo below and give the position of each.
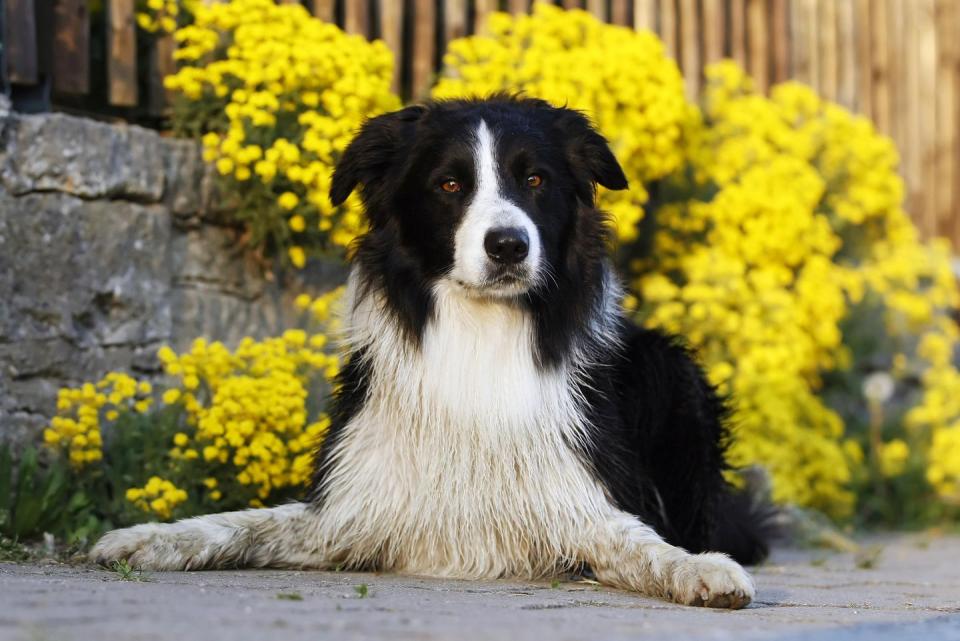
(911, 590)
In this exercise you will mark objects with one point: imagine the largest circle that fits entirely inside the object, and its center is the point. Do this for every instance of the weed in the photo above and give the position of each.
(126, 572)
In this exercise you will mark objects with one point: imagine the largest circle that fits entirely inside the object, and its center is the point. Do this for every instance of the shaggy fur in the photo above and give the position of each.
(497, 414)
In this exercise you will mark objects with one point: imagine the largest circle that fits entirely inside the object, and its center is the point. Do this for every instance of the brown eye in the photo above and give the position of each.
(534, 180)
(450, 186)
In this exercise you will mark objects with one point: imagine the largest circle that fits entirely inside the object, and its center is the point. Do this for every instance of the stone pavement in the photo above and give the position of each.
(912, 591)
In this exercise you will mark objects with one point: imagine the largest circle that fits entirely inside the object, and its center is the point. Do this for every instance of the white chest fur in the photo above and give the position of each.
(460, 462)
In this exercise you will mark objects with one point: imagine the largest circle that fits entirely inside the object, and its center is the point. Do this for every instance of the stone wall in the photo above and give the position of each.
(111, 244)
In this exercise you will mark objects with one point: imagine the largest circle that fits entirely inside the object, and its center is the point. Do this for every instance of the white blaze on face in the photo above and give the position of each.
(489, 210)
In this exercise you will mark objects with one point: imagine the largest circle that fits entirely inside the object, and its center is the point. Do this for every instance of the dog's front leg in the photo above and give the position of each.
(625, 553)
(288, 536)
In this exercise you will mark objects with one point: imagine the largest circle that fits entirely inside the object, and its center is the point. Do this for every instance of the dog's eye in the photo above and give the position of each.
(450, 186)
(534, 180)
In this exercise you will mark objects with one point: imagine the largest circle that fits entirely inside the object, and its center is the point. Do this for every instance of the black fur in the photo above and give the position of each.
(659, 426)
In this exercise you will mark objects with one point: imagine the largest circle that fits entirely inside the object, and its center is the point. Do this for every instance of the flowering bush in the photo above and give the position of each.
(276, 96)
(232, 428)
(772, 238)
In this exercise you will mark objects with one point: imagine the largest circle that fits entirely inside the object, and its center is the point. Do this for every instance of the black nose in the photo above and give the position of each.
(507, 245)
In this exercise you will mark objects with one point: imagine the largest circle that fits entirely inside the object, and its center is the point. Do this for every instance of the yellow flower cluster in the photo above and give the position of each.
(239, 426)
(160, 16)
(323, 309)
(158, 497)
(620, 78)
(75, 429)
(893, 457)
(937, 416)
(248, 408)
(789, 214)
(286, 93)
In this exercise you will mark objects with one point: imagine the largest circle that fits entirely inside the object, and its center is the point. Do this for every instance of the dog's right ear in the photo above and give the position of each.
(372, 150)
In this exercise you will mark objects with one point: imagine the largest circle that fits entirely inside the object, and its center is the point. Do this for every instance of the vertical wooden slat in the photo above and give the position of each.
(482, 9)
(122, 63)
(896, 60)
(71, 69)
(323, 9)
(20, 38)
(828, 48)
(572, 4)
(424, 25)
(391, 30)
(780, 40)
(954, 28)
(925, 176)
(948, 127)
(812, 23)
(799, 42)
(690, 47)
(846, 54)
(620, 12)
(454, 20)
(356, 17)
(738, 32)
(598, 8)
(880, 67)
(518, 6)
(758, 39)
(863, 22)
(161, 65)
(910, 89)
(714, 30)
(644, 15)
(668, 26)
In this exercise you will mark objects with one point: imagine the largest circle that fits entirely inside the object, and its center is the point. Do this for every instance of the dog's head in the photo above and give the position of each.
(485, 195)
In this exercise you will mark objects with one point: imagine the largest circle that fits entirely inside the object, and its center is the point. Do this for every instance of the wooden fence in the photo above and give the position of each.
(895, 61)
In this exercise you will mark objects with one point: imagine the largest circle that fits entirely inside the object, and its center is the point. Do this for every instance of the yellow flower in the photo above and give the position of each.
(893, 457)
(224, 166)
(288, 200)
(297, 256)
(297, 223)
(171, 396)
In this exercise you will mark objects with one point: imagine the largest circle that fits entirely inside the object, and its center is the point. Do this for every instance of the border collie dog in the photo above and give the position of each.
(497, 415)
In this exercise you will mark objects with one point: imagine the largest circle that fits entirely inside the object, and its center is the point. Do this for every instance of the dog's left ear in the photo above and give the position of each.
(588, 151)
(372, 151)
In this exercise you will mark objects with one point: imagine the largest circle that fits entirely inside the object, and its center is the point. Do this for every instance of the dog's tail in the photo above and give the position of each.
(747, 520)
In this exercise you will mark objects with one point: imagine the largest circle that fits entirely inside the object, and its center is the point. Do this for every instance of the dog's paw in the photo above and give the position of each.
(152, 546)
(711, 580)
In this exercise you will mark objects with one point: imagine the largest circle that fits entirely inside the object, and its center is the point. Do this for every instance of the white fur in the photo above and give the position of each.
(459, 464)
(489, 209)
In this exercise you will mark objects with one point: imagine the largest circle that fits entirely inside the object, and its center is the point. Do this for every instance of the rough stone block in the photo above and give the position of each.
(56, 152)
